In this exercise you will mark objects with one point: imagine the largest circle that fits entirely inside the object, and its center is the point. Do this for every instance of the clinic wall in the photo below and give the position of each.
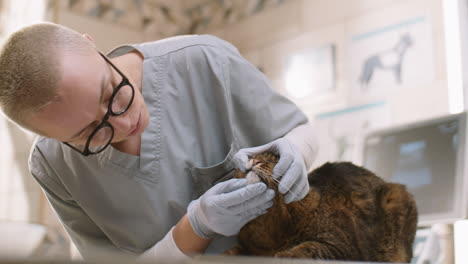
(266, 39)
(106, 35)
(20, 195)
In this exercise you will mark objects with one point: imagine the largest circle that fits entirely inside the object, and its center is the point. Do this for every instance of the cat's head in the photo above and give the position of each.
(339, 178)
(260, 168)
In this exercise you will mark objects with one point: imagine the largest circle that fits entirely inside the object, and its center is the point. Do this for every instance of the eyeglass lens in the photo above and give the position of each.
(100, 139)
(103, 136)
(122, 99)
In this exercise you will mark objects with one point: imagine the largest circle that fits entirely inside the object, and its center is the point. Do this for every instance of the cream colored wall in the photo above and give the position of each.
(20, 195)
(268, 38)
(106, 35)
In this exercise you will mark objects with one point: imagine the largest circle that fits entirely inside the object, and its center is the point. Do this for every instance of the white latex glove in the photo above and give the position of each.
(228, 206)
(290, 168)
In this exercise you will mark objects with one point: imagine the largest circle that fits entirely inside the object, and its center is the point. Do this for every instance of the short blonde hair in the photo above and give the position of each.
(30, 68)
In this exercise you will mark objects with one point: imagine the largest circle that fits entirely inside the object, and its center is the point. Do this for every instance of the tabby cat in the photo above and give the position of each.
(348, 214)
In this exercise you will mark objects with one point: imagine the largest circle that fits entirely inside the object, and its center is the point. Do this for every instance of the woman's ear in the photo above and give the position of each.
(87, 36)
(90, 39)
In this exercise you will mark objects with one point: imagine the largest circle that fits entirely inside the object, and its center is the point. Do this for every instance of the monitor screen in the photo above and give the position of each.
(428, 158)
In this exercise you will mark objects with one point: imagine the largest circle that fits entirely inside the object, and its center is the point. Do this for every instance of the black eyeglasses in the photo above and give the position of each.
(120, 101)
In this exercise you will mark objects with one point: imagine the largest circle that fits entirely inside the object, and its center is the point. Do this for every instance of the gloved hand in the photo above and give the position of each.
(228, 206)
(290, 167)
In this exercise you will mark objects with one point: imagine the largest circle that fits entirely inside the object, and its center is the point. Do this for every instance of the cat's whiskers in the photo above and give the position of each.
(265, 176)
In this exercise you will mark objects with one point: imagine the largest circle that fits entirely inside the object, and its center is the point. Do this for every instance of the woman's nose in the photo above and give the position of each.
(121, 123)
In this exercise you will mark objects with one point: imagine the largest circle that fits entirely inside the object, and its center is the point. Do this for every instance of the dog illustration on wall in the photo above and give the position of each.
(387, 60)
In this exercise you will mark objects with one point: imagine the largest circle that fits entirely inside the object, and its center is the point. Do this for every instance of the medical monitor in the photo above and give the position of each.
(429, 158)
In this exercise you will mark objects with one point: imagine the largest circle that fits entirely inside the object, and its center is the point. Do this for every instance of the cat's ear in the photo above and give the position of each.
(399, 214)
(397, 205)
(392, 196)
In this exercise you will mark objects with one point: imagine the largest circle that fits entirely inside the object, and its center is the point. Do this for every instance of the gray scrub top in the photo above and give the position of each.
(205, 103)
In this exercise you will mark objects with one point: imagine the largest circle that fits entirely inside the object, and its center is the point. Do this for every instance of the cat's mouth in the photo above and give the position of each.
(256, 172)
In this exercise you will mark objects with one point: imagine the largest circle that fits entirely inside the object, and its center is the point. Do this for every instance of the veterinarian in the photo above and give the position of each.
(136, 148)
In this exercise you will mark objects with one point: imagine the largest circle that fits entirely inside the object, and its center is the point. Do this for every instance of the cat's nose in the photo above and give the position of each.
(251, 163)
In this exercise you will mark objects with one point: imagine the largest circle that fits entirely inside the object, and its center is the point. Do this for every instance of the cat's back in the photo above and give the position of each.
(361, 212)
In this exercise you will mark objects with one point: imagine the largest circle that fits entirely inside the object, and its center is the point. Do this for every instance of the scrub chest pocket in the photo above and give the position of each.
(206, 177)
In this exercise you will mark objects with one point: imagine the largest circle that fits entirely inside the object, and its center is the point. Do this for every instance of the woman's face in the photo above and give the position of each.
(86, 86)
